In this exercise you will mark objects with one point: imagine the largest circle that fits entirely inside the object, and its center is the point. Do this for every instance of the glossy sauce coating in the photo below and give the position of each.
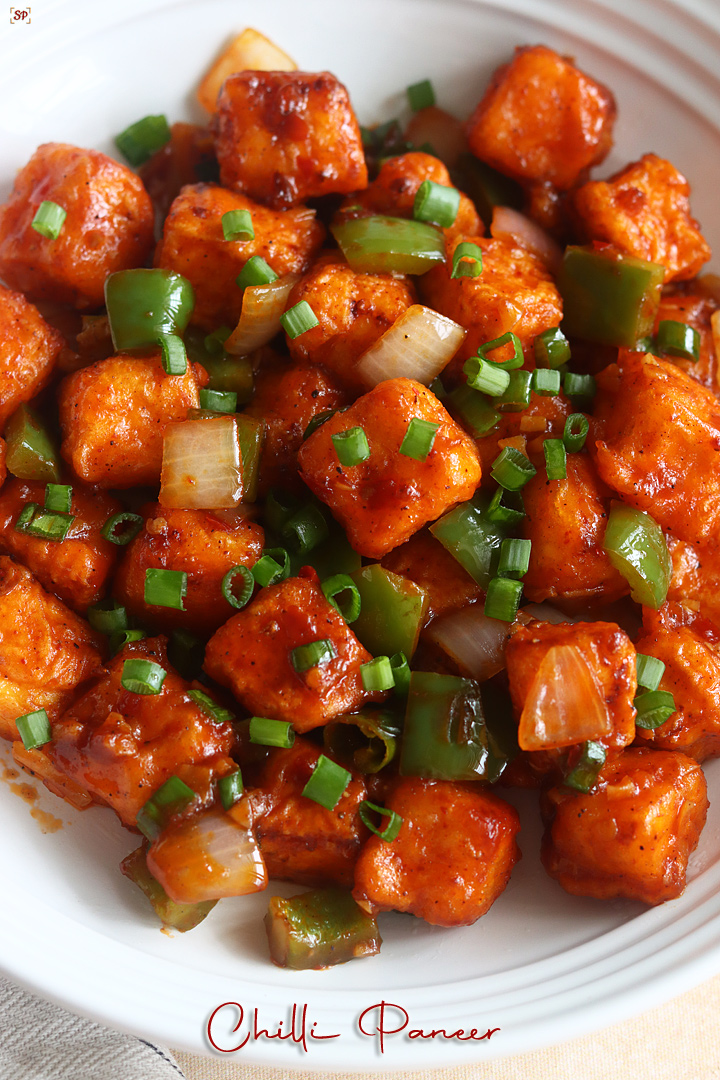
(29, 348)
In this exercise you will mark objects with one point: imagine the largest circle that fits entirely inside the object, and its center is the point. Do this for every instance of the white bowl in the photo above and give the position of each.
(542, 966)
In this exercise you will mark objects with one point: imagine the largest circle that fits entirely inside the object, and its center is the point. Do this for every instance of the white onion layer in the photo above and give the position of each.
(259, 320)
(564, 706)
(509, 224)
(202, 465)
(475, 642)
(417, 346)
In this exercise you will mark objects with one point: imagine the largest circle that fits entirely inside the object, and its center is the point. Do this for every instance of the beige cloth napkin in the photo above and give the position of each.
(678, 1041)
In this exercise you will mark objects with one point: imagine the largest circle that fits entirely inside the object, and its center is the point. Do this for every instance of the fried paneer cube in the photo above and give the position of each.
(566, 520)
(542, 121)
(283, 137)
(286, 399)
(108, 227)
(29, 348)
(425, 561)
(255, 655)
(299, 839)
(644, 210)
(122, 746)
(451, 859)
(695, 580)
(695, 311)
(385, 498)
(76, 569)
(659, 444)
(201, 543)
(570, 682)
(46, 651)
(193, 245)
(113, 415)
(632, 834)
(353, 310)
(689, 647)
(515, 292)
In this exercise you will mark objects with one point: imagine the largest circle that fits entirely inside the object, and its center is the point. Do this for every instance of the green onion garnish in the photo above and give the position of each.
(351, 446)
(467, 260)
(552, 348)
(312, 655)
(334, 587)
(392, 827)
(327, 783)
(514, 558)
(238, 225)
(678, 339)
(120, 638)
(421, 95)
(515, 361)
(120, 529)
(140, 141)
(584, 774)
(654, 707)
(174, 356)
(418, 439)
(230, 789)
(503, 599)
(579, 386)
(486, 376)
(107, 616)
(49, 220)
(506, 507)
(268, 570)
(246, 579)
(436, 203)
(517, 395)
(34, 729)
(555, 459)
(575, 432)
(546, 381)
(165, 588)
(299, 319)
(25, 517)
(211, 708)
(220, 401)
(317, 421)
(267, 732)
(401, 673)
(255, 272)
(377, 675)
(511, 469)
(649, 671)
(170, 798)
(46, 525)
(58, 497)
(305, 529)
(142, 676)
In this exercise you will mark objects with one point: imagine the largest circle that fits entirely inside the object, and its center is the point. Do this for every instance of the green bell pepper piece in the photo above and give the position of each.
(251, 436)
(365, 741)
(318, 929)
(637, 549)
(175, 916)
(472, 538)
(392, 611)
(144, 305)
(31, 452)
(390, 245)
(227, 373)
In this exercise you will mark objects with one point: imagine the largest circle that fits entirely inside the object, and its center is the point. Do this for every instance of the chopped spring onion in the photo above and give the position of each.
(386, 245)
(34, 729)
(579, 386)
(230, 789)
(165, 588)
(377, 675)
(143, 138)
(392, 828)
(503, 599)
(511, 469)
(417, 346)
(485, 376)
(174, 356)
(201, 465)
(121, 528)
(351, 446)
(583, 775)
(298, 319)
(46, 525)
(334, 587)
(259, 322)
(267, 732)
(238, 225)
(467, 260)
(678, 339)
(517, 395)
(575, 432)
(170, 798)
(546, 381)
(473, 409)
(506, 507)
(421, 95)
(418, 439)
(268, 570)
(510, 363)
(256, 272)
(25, 517)
(305, 657)
(141, 676)
(654, 708)
(436, 203)
(514, 558)
(305, 529)
(327, 783)
(552, 348)
(649, 671)
(211, 708)
(107, 616)
(58, 498)
(220, 401)
(49, 219)
(555, 459)
(120, 638)
(636, 547)
(401, 673)
(236, 574)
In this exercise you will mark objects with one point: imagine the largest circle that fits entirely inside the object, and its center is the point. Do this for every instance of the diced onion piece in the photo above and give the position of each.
(509, 224)
(417, 346)
(475, 642)
(259, 320)
(39, 764)
(202, 465)
(249, 51)
(206, 857)
(564, 705)
(442, 131)
(547, 613)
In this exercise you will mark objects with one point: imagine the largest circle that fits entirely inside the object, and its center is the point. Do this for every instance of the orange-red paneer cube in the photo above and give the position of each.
(283, 137)
(286, 398)
(695, 577)
(193, 245)
(353, 310)
(689, 646)
(109, 225)
(697, 312)
(29, 348)
(425, 561)
(3, 461)
(572, 682)
(122, 746)
(658, 444)
(113, 415)
(565, 520)
(76, 569)
(515, 292)
(252, 654)
(451, 859)
(644, 210)
(542, 120)
(384, 499)
(632, 834)
(204, 545)
(46, 651)
(299, 839)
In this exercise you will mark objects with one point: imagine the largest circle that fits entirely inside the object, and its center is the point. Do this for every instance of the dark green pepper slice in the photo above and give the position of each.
(390, 245)
(318, 929)
(366, 741)
(392, 611)
(31, 452)
(145, 305)
(175, 916)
